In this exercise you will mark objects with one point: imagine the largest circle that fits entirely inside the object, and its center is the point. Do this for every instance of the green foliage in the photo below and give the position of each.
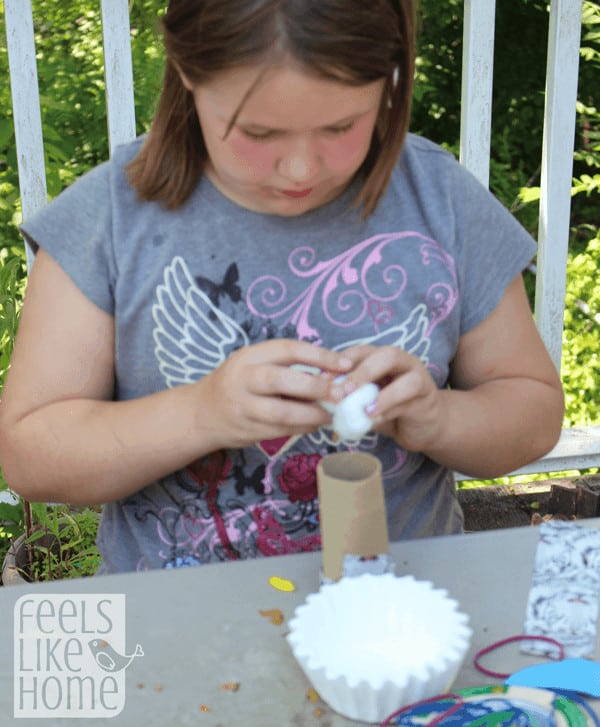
(581, 349)
(63, 544)
(436, 99)
(12, 284)
(11, 525)
(586, 183)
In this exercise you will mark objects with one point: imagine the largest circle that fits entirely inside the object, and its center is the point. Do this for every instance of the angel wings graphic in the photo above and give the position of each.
(193, 336)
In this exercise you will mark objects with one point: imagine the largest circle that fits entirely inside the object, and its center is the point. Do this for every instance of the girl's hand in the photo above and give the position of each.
(504, 404)
(409, 407)
(257, 394)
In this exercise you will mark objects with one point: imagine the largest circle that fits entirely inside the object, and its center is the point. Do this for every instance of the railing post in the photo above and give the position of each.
(477, 84)
(557, 171)
(118, 72)
(26, 108)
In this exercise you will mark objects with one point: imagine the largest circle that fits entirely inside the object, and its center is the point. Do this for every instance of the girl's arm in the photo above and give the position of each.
(62, 438)
(505, 405)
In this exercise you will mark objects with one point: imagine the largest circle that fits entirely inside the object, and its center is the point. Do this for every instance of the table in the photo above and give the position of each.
(201, 630)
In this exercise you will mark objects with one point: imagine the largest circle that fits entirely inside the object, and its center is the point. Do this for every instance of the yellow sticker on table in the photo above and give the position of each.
(282, 584)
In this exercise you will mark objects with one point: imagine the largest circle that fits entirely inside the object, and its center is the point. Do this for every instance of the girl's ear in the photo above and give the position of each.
(183, 77)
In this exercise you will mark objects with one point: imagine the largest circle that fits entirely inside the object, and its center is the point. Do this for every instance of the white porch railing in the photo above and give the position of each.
(578, 448)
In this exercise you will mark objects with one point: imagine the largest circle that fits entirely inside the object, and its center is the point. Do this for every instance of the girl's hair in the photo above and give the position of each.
(351, 41)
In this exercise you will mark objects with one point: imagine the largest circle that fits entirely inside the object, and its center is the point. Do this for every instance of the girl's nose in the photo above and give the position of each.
(300, 163)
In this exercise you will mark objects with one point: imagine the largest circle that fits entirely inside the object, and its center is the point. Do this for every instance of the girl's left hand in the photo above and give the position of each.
(409, 406)
(503, 406)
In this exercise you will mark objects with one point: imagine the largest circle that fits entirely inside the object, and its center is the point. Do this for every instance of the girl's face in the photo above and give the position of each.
(296, 143)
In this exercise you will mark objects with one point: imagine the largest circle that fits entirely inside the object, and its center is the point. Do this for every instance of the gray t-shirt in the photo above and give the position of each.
(187, 287)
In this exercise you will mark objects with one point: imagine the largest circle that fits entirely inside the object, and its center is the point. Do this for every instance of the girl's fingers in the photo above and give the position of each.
(290, 383)
(288, 352)
(289, 415)
(380, 365)
(402, 389)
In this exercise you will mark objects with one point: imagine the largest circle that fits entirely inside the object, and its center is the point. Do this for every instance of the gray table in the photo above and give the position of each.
(201, 629)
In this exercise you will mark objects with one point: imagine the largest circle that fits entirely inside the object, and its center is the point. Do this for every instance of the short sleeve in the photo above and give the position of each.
(75, 229)
(492, 247)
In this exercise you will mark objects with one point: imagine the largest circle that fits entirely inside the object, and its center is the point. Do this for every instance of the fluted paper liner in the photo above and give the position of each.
(352, 509)
(373, 644)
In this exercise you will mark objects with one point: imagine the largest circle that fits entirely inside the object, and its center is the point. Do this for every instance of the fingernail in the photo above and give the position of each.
(371, 408)
(348, 387)
(337, 392)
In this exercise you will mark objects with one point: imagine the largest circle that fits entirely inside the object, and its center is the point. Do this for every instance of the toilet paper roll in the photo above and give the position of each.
(352, 512)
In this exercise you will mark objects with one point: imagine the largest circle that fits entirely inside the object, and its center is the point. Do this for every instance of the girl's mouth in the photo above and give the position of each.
(296, 193)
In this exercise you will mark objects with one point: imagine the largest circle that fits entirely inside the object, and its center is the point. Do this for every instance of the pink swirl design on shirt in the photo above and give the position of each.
(342, 285)
(397, 466)
(441, 297)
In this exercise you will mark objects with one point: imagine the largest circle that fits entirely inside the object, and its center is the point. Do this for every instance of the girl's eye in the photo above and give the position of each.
(337, 130)
(269, 134)
(258, 135)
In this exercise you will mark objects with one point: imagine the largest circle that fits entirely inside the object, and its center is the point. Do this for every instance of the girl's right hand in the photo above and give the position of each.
(257, 394)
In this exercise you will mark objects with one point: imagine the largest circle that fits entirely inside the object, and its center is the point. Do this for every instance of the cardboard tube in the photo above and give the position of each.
(352, 509)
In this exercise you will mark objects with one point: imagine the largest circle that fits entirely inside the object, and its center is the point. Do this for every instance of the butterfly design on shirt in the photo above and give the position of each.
(193, 336)
(228, 286)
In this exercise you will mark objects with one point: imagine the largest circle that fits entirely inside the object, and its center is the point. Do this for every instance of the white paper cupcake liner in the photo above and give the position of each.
(372, 644)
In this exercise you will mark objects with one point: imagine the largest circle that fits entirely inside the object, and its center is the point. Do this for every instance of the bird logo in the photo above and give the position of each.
(110, 660)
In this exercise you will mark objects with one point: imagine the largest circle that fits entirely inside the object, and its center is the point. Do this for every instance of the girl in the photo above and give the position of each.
(277, 213)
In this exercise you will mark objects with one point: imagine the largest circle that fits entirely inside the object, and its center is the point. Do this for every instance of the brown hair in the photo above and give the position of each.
(351, 41)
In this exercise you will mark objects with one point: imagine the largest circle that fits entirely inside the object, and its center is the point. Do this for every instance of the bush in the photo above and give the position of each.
(581, 347)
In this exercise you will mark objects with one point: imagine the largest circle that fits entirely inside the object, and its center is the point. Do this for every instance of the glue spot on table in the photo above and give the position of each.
(230, 686)
(282, 584)
(204, 708)
(312, 695)
(275, 616)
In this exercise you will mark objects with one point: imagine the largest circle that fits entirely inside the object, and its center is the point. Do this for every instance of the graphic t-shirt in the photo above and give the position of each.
(188, 287)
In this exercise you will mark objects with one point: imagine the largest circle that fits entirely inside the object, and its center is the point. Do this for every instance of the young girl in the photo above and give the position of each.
(277, 213)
